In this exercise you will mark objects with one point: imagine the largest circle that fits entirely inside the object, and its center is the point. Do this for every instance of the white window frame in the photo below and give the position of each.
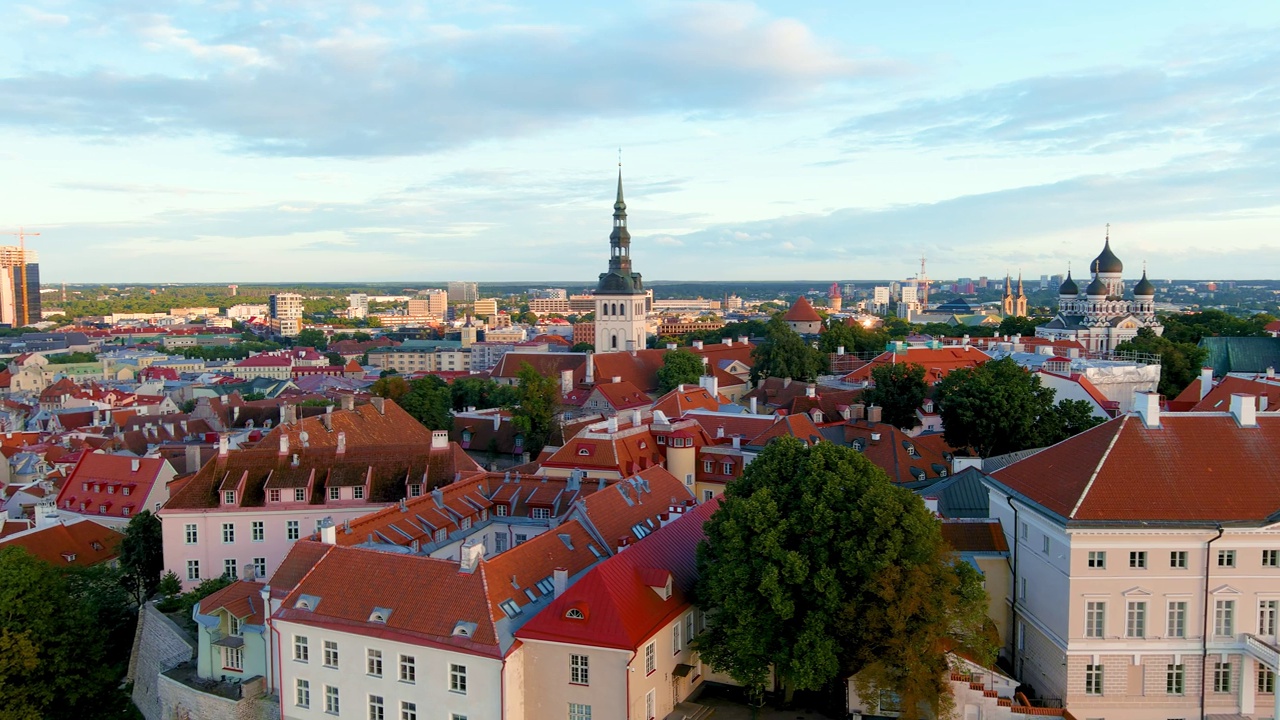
(1224, 617)
(228, 533)
(1094, 679)
(1175, 679)
(458, 678)
(258, 531)
(301, 649)
(1135, 625)
(408, 669)
(331, 653)
(193, 569)
(579, 670)
(1095, 619)
(292, 530)
(302, 693)
(650, 658)
(332, 701)
(373, 662)
(1138, 559)
(1176, 619)
(191, 534)
(1097, 559)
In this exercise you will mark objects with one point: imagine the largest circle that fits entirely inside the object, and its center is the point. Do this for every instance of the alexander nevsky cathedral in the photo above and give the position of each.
(1103, 315)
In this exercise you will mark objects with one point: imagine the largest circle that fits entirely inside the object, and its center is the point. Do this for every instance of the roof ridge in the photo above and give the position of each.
(1101, 461)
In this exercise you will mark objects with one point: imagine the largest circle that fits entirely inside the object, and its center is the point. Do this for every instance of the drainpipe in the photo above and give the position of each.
(1013, 653)
(279, 660)
(628, 673)
(1204, 629)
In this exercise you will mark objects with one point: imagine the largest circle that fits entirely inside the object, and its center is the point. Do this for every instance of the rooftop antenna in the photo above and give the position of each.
(22, 250)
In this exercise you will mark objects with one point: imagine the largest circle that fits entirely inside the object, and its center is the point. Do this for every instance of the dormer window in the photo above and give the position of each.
(662, 440)
(464, 629)
(575, 614)
(510, 608)
(229, 497)
(307, 602)
(380, 615)
(466, 436)
(125, 490)
(111, 489)
(584, 451)
(500, 510)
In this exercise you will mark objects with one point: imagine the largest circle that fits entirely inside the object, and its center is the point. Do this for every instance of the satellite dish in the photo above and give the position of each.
(303, 437)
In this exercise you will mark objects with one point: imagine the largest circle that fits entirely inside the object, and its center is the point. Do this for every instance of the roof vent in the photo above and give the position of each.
(380, 615)
(464, 629)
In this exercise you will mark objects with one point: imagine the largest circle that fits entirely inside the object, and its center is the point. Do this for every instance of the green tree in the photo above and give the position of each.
(481, 393)
(899, 389)
(1019, 325)
(311, 337)
(679, 367)
(536, 415)
(784, 354)
(142, 555)
(582, 347)
(428, 401)
(1180, 362)
(998, 407)
(335, 359)
(816, 566)
(391, 387)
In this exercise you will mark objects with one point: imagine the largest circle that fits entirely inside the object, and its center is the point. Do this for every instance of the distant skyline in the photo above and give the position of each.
(388, 142)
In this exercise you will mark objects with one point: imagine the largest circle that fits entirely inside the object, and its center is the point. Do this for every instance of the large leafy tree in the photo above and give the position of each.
(784, 354)
(898, 388)
(481, 393)
(1180, 362)
(679, 367)
(536, 414)
(312, 337)
(854, 338)
(998, 407)
(142, 555)
(391, 387)
(818, 567)
(429, 402)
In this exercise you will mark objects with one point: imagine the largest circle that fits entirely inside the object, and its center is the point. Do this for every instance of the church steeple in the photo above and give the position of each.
(620, 279)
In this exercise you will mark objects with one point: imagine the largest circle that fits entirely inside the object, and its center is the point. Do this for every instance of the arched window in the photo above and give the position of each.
(613, 342)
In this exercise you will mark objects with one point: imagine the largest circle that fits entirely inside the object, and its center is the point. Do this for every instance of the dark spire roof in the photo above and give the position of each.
(1097, 287)
(619, 206)
(620, 280)
(1069, 286)
(1144, 288)
(1107, 261)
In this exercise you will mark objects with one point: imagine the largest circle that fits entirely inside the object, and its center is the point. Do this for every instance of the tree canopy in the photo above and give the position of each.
(311, 337)
(899, 389)
(429, 402)
(536, 414)
(784, 354)
(392, 387)
(998, 407)
(481, 393)
(679, 367)
(817, 566)
(853, 338)
(142, 555)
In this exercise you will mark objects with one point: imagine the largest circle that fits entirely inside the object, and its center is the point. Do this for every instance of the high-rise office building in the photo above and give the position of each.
(286, 314)
(463, 292)
(19, 286)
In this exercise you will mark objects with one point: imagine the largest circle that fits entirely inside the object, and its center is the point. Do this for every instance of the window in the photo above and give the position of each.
(1095, 619)
(441, 534)
(521, 538)
(676, 645)
(540, 513)
(458, 678)
(707, 466)
(331, 699)
(578, 670)
(330, 653)
(1177, 625)
(229, 497)
(299, 494)
(1267, 618)
(259, 532)
(302, 693)
(650, 653)
(1097, 558)
(1022, 636)
(229, 568)
(301, 650)
(726, 468)
(415, 490)
(500, 510)
(1138, 559)
(1092, 679)
(335, 493)
(373, 663)
(1271, 558)
(193, 569)
(408, 669)
(1136, 620)
(1175, 679)
(233, 625)
(578, 711)
(291, 530)
(273, 495)
(408, 711)
(1266, 680)
(232, 658)
(1222, 677)
(649, 698)
(193, 535)
(1226, 558)
(357, 492)
(688, 626)
(228, 532)
(1178, 559)
(499, 540)
(707, 495)
(1224, 618)
(1044, 544)
(377, 710)
(1022, 530)
(1022, 588)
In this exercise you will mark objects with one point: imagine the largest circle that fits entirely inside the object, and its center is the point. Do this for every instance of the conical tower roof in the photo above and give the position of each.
(1107, 261)
(1144, 288)
(1068, 286)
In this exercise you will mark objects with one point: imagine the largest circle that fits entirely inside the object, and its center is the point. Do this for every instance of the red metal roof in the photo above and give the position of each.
(802, 311)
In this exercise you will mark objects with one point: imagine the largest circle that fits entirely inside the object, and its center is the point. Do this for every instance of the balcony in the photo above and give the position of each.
(185, 674)
(1262, 651)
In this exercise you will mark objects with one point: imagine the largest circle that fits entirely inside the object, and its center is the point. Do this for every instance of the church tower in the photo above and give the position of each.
(1013, 305)
(620, 294)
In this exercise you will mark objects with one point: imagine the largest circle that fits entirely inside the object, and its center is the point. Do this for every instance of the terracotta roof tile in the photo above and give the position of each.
(802, 311)
(77, 544)
(983, 536)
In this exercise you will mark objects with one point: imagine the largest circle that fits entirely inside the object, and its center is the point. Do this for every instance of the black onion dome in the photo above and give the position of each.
(1096, 288)
(1069, 286)
(1144, 288)
(1107, 262)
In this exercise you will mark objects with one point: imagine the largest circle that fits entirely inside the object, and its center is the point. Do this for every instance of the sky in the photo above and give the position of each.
(324, 140)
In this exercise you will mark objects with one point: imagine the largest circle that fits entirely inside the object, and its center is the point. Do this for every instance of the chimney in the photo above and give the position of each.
(811, 390)
(743, 339)
(193, 458)
(379, 404)
(248, 572)
(591, 369)
(875, 437)
(611, 425)
(1147, 404)
(752, 404)
(616, 379)
(1206, 381)
(559, 581)
(1244, 409)
(719, 431)
(727, 342)
(737, 442)
(295, 462)
(697, 344)
(786, 382)
(1262, 403)
(497, 421)
(566, 382)
(222, 446)
(636, 417)
(470, 554)
(874, 413)
(840, 350)
(711, 384)
(342, 443)
(439, 439)
(347, 402)
(327, 420)
(328, 532)
(623, 542)
(1271, 372)
(134, 465)
(284, 443)
(288, 414)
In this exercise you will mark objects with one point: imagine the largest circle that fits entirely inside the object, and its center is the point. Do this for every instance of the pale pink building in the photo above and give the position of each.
(1146, 565)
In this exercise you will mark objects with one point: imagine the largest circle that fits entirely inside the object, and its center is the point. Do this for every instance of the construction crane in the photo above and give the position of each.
(22, 249)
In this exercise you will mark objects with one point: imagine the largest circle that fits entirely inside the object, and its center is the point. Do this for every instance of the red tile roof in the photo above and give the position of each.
(78, 543)
(802, 311)
(685, 398)
(100, 480)
(242, 598)
(623, 395)
(937, 362)
(892, 452)
(976, 536)
(626, 452)
(640, 368)
(620, 608)
(616, 510)
(1193, 468)
(1219, 398)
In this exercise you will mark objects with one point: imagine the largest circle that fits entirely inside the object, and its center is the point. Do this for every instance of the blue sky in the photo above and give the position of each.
(419, 141)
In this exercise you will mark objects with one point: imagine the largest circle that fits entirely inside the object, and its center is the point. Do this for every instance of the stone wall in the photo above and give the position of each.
(158, 645)
(182, 702)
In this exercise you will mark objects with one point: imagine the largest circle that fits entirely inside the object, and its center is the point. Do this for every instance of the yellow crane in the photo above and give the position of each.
(22, 261)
